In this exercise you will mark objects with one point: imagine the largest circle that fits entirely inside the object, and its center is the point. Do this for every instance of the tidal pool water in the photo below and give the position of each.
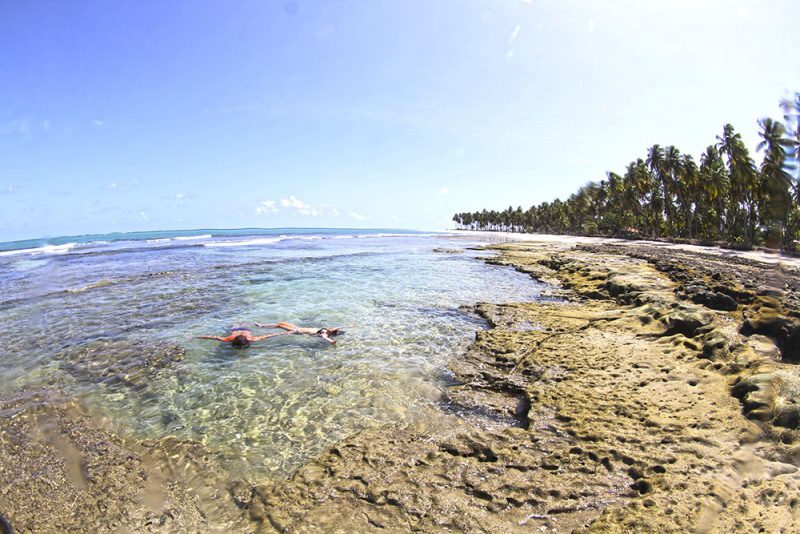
(111, 320)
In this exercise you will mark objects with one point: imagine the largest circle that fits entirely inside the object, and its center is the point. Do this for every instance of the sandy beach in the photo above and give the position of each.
(768, 257)
(657, 391)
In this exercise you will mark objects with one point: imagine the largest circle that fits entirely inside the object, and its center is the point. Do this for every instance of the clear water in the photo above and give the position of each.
(84, 318)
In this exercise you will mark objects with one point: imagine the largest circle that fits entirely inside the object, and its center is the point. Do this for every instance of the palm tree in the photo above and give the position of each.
(632, 200)
(791, 110)
(617, 211)
(727, 197)
(669, 178)
(687, 191)
(655, 161)
(776, 181)
(743, 177)
(715, 190)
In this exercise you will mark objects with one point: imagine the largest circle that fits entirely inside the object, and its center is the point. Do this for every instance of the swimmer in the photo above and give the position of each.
(241, 338)
(324, 333)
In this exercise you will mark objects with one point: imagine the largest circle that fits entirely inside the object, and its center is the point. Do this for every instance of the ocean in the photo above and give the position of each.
(112, 319)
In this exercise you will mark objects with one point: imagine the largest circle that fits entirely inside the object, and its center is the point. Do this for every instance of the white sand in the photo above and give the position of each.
(570, 240)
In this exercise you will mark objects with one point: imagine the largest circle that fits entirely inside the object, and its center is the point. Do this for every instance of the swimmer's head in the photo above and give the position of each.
(240, 342)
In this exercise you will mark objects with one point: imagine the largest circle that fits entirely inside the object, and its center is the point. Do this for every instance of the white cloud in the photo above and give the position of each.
(296, 203)
(113, 185)
(302, 208)
(98, 123)
(267, 206)
(509, 55)
(298, 206)
(591, 25)
(144, 216)
(514, 35)
(179, 196)
(358, 216)
(444, 190)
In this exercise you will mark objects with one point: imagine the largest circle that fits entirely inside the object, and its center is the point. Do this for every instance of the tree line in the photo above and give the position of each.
(727, 197)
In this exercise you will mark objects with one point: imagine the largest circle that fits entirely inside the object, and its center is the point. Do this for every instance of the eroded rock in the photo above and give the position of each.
(630, 420)
(131, 362)
(65, 473)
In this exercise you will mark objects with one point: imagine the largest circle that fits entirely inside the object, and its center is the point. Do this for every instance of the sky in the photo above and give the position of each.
(133, 116)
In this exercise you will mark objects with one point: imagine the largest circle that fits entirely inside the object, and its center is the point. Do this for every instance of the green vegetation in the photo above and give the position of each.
(726, 198)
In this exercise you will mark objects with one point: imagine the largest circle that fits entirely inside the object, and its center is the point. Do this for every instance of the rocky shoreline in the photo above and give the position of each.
(662, 395)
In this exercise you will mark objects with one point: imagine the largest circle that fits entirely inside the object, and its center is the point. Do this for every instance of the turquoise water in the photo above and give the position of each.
(112, 322)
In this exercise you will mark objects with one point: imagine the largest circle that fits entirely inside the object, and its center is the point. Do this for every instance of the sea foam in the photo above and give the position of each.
(38, 251)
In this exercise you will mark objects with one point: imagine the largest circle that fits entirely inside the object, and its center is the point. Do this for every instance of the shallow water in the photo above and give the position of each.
(113, 323)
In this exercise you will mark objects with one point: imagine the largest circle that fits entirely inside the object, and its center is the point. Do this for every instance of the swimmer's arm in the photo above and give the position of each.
(260, 325)
(226, 339)
(267, 336)
(216, 338)
(326, 338)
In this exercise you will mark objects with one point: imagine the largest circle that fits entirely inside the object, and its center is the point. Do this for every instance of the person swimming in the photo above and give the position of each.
(325, 332)
(241, 338)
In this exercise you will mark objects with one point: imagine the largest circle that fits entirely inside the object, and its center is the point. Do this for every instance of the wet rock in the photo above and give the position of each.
(714, 300)
(242, 493)
(716, 345)
(642, 486)
(430, 478)
(501, 407)
(757, 395)
(788, 415)
(771, 397)
(257, 510)
(440, 250)
(79, 477)
(131, 362)
(767, 316)
(684, 321)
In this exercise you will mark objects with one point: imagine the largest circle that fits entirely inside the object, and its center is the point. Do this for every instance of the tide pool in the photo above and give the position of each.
(112, 321)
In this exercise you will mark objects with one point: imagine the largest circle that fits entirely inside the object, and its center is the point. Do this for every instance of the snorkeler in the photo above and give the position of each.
(324, 333)
(241, 338)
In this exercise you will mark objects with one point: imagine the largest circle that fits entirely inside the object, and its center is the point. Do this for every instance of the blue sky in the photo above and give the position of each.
(130, 115)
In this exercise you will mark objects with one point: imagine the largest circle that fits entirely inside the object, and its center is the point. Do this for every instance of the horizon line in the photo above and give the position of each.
(128, 232)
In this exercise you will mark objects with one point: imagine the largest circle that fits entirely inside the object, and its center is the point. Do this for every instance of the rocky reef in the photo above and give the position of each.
(64, 472)
(661, 397)
(658, 394)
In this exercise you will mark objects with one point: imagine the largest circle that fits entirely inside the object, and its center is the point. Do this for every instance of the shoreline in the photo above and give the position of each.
(641, 406)
(760, 255)
(660, 396)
